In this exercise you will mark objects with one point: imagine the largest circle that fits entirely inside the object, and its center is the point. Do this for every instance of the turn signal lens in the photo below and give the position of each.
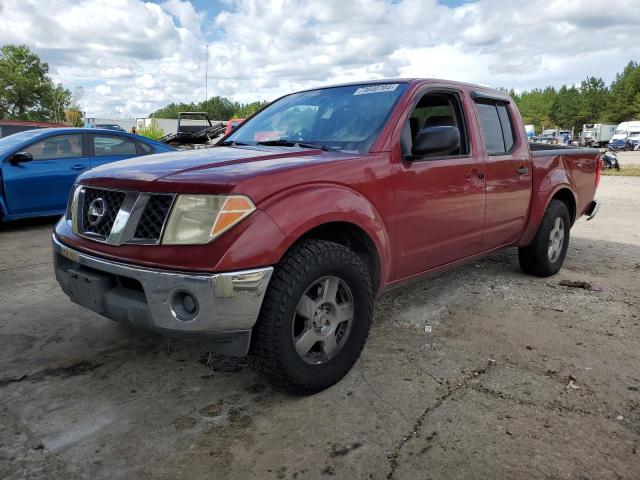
(234, 210)
(198, 219)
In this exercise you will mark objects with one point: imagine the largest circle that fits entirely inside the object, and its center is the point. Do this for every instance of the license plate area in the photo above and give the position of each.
(87, 287)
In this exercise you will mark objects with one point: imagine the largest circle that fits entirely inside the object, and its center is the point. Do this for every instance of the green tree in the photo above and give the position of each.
(73, 117)
(73, 114)
(249, 109)
(26, 92)
(623, 92)
(636, 106)
(565, 107)
(173, 109)
(593, 101)
(152, 131)
(218, 108)
(535, 106)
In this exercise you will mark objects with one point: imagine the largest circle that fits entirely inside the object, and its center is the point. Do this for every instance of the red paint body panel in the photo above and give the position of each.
(420, 216)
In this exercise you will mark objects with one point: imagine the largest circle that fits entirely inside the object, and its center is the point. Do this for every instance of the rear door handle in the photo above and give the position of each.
(79, 167)
(522, 171)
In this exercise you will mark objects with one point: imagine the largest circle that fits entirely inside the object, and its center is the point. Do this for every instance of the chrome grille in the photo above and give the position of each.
(100, 225)
(118, 217)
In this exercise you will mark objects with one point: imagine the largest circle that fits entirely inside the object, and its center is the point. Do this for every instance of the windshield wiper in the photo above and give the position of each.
(319, 147)
(228, 143)
(283, 142)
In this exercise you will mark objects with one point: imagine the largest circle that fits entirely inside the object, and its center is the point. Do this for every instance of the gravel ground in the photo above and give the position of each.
(519, 377)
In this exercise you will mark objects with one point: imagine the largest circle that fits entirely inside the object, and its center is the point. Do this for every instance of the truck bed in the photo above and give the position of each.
(544, 149)
(580, 165)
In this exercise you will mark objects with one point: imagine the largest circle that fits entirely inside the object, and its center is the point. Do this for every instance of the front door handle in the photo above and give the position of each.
(475, 173)
(79, 167)
(522, 171)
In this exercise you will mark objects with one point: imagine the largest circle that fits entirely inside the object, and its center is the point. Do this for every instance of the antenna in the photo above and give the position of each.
(206, 75)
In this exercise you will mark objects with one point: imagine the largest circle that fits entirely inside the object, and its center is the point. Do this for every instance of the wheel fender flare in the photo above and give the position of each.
(298, 210)
(541, 201)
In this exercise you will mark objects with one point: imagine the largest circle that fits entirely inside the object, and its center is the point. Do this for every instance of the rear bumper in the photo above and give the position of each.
(218, 309)
(592, 209)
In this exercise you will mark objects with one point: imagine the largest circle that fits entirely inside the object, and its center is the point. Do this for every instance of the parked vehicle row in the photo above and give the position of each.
(596, 135)
(554, 136)
(626, 137)
(275, 243)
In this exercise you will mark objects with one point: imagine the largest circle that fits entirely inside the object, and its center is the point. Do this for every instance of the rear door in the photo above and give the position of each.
(107, 148)
(439, 198)
(42, 186)
(508, 171)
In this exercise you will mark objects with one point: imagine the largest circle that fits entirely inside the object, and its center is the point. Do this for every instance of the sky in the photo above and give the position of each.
(131, 57)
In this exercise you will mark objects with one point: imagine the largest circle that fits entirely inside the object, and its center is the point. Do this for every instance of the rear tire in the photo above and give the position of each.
(545, 254)
(315, 318)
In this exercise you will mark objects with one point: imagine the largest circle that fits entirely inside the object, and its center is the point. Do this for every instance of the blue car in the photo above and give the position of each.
(618, 144)
(40, 166)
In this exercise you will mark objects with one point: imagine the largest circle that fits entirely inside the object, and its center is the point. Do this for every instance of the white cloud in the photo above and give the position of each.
(103, 90)
(133, 56)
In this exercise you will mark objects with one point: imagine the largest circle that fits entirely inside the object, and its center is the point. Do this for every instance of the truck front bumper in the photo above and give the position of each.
(217, 309)
(592, 209)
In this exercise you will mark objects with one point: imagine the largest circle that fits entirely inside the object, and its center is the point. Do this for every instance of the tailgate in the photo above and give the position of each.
(582, 167)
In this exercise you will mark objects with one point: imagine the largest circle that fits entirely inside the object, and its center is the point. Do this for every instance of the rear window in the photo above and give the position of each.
(145, 149)
(107, 146)
(505, 123)
(496, 127)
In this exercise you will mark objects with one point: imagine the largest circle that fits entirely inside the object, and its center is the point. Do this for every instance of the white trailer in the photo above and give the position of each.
(626, 129)
(596, 134)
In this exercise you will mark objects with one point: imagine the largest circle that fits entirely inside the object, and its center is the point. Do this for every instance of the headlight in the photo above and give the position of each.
(72, 204)
(198, 219)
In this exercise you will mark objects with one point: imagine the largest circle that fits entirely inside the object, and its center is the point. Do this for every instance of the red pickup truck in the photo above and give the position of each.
(275, 243)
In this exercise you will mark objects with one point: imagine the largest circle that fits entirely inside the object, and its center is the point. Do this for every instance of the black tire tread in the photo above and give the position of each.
(533, 258)
(297, 264)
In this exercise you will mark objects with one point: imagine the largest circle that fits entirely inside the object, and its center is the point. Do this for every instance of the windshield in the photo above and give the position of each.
(9, 142)
(342, 118)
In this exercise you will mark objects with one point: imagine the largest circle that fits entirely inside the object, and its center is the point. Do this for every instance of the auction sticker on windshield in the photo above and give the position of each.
(389, 87)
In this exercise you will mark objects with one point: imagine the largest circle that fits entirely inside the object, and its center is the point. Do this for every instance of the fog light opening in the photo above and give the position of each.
(184, 306)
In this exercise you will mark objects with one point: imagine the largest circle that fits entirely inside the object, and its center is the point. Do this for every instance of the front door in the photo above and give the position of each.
(439, 199)
(42, 186)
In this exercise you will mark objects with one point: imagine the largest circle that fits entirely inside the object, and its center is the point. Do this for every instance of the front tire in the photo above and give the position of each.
(545, 254)
(315, 318)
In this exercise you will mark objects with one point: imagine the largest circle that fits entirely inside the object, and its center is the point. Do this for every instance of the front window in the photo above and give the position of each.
(341, 118)
(61, 146)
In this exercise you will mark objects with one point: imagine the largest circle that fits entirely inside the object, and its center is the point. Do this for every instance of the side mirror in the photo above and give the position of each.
(434, 140)
(21, 157)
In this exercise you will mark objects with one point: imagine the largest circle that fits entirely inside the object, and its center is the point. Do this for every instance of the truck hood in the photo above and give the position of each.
(216, 169)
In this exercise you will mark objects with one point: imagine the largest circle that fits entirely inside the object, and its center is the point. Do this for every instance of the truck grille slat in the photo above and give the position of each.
(153, 218)
(98, 209)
